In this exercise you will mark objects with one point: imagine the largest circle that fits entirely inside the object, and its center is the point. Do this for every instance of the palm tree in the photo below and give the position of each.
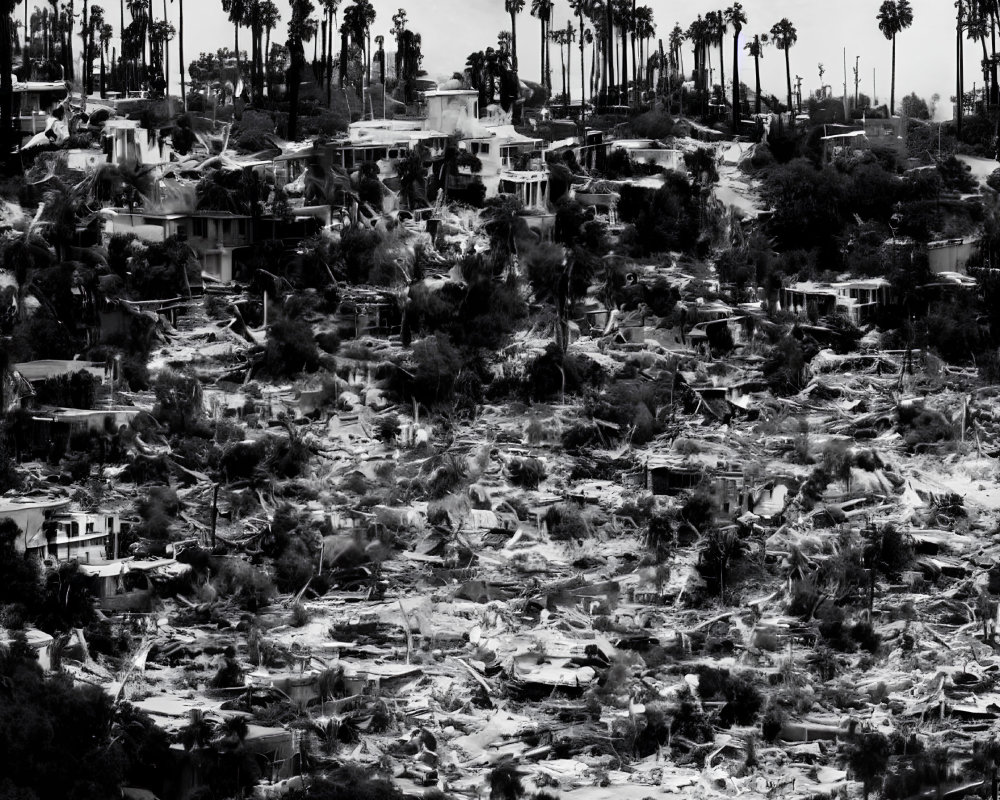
(7, 133)
(559, 37)
(978, 27)
(514, 7)
(959, 72)
(756, 49)
(270, 16)
(106, 34)
(581, 7)
(645, 30)
(623, 17)
(298, 32)
(894, 16)
(503, 43)
(676, 50)
(542, 9)
(380, 41)
(784, 36)
(598, 22)
(736, 20)
(237, 11)
(719, 28)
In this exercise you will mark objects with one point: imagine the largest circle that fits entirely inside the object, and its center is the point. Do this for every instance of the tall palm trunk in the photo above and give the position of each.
(958, 72)
(722, 67)
(8, 136)
(993, 49)
(608, 78)
(569, 78)
(267, 61)
(548, 55)
(987, 89)
(593, 66)
(624, 75)
(88, 82)
(892, 84)
(788, 78)
(166, 55)
(541, 24)
(562, 65)
(513, 42)
(756, 69)
(583, 70)
(180, 53)
(68, 49)
(323, 68)
(736, 82)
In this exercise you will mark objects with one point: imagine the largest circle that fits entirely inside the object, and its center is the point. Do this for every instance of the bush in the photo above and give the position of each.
(290, 349)
(247, 585)
(296, 566)
(431, 369)
(566, 523)
(526, 472)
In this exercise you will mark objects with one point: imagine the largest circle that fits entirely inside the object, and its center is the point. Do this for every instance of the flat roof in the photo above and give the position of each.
(52, 367)
(7, 506)
(66, 413)
(451, 93)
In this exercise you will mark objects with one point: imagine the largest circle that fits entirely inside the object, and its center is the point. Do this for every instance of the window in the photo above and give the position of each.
(90, 527)
(241, 227)
(74, 530)
(198, 227)
(111, 524)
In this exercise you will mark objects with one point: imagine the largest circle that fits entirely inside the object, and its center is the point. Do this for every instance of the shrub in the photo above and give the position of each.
(772, 723)
(720, 554)
(526, 472)
(290, 349)
(249, 586)
(295, 567)
(566, 523)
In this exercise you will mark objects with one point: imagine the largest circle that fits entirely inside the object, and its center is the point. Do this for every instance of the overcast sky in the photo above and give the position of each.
(451, 29)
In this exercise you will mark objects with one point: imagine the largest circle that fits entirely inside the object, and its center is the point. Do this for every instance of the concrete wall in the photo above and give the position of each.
(950, 256)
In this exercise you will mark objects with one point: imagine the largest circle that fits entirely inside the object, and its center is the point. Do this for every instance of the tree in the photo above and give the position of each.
(645, 30)
(581, 7)
(784, 36)
(505, 782)
(720, 552)
(237, 11)
(622, 14)
(8, 136)
(20, 581)
(542, 9)
(718, 28)
(513, 7)
(736, 18)
(107, 33)
(298, 32)
(914, 107)
(756, 49)
(868, 758)
(894, 16)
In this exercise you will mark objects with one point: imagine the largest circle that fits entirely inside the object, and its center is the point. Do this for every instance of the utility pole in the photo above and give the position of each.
(857, 79)
(798, 92)
(958, 72)
(847, 114)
